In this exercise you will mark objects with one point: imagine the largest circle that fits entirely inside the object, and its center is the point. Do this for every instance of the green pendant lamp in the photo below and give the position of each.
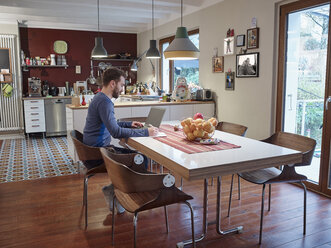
(153, 52)
(181, 48)
(99, 51)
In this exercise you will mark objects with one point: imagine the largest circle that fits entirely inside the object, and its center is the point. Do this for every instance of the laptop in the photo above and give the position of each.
(154, 117)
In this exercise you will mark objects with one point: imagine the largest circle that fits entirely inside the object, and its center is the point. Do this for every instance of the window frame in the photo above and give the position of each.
(171, 62)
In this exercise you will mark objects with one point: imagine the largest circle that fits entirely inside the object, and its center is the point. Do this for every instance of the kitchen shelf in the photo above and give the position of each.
(45, 66)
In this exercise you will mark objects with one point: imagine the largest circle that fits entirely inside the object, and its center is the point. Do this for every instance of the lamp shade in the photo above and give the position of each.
(99, 51)
(134, 66)
(153, 52)
(181, 48)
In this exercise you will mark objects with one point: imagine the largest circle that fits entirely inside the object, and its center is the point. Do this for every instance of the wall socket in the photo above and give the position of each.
(78, 69)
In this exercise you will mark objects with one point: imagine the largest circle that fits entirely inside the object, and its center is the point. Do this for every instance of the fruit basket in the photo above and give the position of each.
(198, 129)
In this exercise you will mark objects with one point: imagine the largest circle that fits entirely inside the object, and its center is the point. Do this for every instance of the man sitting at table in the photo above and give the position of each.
(101, 124)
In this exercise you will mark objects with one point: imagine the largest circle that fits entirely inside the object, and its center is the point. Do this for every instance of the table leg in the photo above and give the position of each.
(204, 221)
(238, 229)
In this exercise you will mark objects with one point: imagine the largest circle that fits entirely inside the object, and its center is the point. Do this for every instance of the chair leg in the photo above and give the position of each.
(261, 219)
(166, 218)
(85, 198)
(212, 181)
(113, 221)
(181, 184)
(161, 169)
(304, 207)
(230, 196)
(192, 222)
(269, 200)
(135, 218)
(238, 187)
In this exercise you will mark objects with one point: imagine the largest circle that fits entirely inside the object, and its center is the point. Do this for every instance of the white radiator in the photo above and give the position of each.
(11, 107)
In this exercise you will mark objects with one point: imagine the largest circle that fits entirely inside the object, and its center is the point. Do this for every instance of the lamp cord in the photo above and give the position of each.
(152, 19)
(98, 20)
(181, 13)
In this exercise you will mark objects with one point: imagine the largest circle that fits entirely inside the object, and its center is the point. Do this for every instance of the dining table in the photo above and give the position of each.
(245, 154)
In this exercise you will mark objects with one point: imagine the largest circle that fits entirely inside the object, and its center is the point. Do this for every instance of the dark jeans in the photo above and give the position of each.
(89, 164)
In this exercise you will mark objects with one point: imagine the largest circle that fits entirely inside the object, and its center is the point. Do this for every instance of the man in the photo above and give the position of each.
(101, 123)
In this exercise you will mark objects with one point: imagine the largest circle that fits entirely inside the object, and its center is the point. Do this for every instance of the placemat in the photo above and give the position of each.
(177, 140)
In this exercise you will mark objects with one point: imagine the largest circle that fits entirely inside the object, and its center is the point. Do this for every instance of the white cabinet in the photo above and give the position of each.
(208, 109)
(34, 116)
(180, 112)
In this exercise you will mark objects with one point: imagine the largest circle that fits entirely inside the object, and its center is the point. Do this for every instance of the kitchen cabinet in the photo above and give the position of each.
(34, 116)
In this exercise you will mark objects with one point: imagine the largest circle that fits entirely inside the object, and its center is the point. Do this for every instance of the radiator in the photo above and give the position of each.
(11, 107)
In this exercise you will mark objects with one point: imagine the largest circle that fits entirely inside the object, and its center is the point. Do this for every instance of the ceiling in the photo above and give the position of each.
(129, 16)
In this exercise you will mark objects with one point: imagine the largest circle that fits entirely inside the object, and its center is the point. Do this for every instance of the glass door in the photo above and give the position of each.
(303, 82)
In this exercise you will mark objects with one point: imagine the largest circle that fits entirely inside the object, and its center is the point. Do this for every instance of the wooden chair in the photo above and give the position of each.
(85, 153)
(287, 174)
(237, 130)
(138, 192)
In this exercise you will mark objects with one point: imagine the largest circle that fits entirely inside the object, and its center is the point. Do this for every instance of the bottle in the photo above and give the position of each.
(83, 101)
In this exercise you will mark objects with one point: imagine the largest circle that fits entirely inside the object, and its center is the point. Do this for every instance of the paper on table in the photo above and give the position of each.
(159, 134)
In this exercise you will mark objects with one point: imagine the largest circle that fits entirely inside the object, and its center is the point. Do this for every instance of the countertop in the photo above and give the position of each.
(144, 103)
(43, 98)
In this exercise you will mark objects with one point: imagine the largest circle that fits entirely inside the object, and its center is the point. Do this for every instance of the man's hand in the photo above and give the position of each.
(153, 131)
(136, 124)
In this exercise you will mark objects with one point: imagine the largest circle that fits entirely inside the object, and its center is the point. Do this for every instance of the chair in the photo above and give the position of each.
(287, 174)
(138, 192)
(85, 153)
(237, 130)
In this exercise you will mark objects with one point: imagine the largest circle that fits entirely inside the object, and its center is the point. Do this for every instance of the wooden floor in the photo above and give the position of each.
(48, 213)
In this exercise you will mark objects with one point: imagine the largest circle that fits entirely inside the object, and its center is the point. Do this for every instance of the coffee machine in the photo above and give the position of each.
(34, 88)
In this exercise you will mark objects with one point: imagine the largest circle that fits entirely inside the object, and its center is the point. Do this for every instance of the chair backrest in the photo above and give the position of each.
(121, 176)
(84, 152)
(296, 142)
(231, 128)
(140, 119)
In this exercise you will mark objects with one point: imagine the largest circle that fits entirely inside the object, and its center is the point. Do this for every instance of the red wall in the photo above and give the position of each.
(39, 42)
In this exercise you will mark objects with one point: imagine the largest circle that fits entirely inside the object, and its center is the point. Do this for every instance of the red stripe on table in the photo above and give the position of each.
(177, 140)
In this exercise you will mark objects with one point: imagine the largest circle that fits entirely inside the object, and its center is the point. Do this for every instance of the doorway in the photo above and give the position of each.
(303, 83)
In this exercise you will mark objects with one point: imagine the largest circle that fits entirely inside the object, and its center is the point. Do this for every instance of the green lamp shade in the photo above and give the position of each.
(99, 51)
(153, 52)
(181, 48)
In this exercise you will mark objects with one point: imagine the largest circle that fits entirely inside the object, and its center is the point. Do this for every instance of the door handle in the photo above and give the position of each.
(326, 102)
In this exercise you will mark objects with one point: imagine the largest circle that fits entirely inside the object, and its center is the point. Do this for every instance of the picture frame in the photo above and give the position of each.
(229, 46)
(253, 38)
(247, 65)
(229, 80)
(218, 64)
(240, 42)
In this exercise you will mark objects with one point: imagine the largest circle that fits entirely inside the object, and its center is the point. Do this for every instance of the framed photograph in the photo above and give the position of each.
(229, 80)
(253, 38)
(240, 40)
(247, 65)
(218, 64)
(228, 46)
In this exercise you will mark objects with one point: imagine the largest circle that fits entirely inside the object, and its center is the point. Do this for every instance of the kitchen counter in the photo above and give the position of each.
(145, 103)
(42, 97)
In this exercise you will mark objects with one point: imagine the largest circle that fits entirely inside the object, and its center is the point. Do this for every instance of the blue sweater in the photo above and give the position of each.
(101, 123)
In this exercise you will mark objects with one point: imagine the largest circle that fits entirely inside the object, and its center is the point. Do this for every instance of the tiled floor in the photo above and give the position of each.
(27, 159)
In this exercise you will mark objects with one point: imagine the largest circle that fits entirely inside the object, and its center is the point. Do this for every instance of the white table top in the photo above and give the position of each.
(251, 155)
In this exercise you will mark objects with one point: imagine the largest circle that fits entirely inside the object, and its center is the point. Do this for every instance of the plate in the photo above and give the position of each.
(211, 141)
(60, 47)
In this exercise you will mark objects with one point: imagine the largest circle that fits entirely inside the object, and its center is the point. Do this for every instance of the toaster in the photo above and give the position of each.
(204, 95)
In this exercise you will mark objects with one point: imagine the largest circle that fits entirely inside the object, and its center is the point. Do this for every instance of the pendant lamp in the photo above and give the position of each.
(99, 51)
(181, 48)
(153, 52)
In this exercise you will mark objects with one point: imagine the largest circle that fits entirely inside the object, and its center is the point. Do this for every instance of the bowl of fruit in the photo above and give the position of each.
(197, 128)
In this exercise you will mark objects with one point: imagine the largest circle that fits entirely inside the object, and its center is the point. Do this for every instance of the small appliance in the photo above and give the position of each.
(53, 91)
(204, 95)
(34, 88)
(45, 88)
(62, 91)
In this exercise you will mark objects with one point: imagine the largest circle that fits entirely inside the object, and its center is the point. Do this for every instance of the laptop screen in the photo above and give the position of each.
(155, 116)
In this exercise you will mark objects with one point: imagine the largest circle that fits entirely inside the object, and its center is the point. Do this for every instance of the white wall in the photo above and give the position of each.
(252, 103)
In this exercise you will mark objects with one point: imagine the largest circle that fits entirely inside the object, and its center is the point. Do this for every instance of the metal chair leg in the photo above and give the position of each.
(166, 218)
(304, 207)
(230, 197)
(261, 219)
(192, 222)
(269, 200)
(85, 198)
(238, 187)
(212, 181)
(135, 218)
(113, 222)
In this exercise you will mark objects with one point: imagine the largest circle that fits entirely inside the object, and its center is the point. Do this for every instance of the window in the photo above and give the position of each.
(170, 70)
